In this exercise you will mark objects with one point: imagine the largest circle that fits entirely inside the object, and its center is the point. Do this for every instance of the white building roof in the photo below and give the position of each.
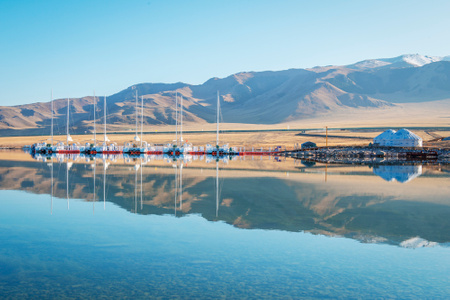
(405, 134)
(388, 134)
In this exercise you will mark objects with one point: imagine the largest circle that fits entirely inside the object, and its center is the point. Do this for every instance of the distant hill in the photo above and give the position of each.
(269, 97)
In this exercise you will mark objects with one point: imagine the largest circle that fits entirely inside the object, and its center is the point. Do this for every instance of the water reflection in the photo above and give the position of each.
(399, 173)
(351, 203)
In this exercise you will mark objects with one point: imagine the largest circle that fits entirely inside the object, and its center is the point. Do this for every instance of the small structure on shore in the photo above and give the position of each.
(401, 138)
(308, 145)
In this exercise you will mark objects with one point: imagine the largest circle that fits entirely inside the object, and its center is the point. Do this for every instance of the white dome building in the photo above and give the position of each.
(401, 138)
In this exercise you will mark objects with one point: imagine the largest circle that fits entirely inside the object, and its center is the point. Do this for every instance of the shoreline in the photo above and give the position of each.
(287, 138)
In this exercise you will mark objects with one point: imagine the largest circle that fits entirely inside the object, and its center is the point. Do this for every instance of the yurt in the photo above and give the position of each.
(405, 138)
(401, 138)
(384, 138)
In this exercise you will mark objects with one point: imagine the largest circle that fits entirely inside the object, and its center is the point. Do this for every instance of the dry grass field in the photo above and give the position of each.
(360, 128)
(258, 139)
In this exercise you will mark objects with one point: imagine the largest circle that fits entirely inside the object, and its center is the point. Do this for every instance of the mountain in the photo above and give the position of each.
(407, 60)
(269, 97)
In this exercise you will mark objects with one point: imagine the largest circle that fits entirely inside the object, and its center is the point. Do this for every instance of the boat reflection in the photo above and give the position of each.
(351, 203)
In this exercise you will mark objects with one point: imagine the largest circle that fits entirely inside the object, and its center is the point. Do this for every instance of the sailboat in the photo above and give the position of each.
(170, 149)
(91, 149)
(179, 148)
(217, 150)
(185, 148)
(142, 148)
(45, 148)
(68, 149)
(106, 148)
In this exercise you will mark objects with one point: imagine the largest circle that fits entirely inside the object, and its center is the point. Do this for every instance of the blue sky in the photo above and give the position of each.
(76, 47)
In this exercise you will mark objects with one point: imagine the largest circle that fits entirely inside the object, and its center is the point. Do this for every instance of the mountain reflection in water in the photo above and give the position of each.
(352, 202)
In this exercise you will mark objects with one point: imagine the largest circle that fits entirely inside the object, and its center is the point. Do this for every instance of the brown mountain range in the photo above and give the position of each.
(270, 97)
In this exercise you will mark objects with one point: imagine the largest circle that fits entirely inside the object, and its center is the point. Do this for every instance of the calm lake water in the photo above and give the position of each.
(258, 228)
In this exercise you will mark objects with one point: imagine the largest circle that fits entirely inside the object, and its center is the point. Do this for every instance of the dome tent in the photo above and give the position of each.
(401, 138)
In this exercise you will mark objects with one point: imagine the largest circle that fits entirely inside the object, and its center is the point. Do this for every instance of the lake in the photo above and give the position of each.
(257, 228)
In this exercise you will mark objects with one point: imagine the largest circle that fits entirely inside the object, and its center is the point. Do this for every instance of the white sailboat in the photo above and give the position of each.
(185, 147)
(104, 147)
(179, 148)
(217, 150)
(143, 148)
(67, 148)
(144, 144)
(105, 138)
(45, 148)
(68, 138)
(91, 149)
(170, 149)
(136, 137)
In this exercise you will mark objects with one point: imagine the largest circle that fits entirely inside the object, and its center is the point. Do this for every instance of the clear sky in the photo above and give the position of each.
(76, 47)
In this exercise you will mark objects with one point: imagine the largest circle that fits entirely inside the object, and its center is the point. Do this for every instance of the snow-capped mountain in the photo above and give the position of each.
(402, 61)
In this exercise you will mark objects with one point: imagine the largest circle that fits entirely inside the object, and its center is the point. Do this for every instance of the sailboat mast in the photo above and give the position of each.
(176, 118)
(95, 136)
(136, 96)
(67, 129)
(104, 118)
(52, 120)
(218, 111)
(142, 116)
(181, 121)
